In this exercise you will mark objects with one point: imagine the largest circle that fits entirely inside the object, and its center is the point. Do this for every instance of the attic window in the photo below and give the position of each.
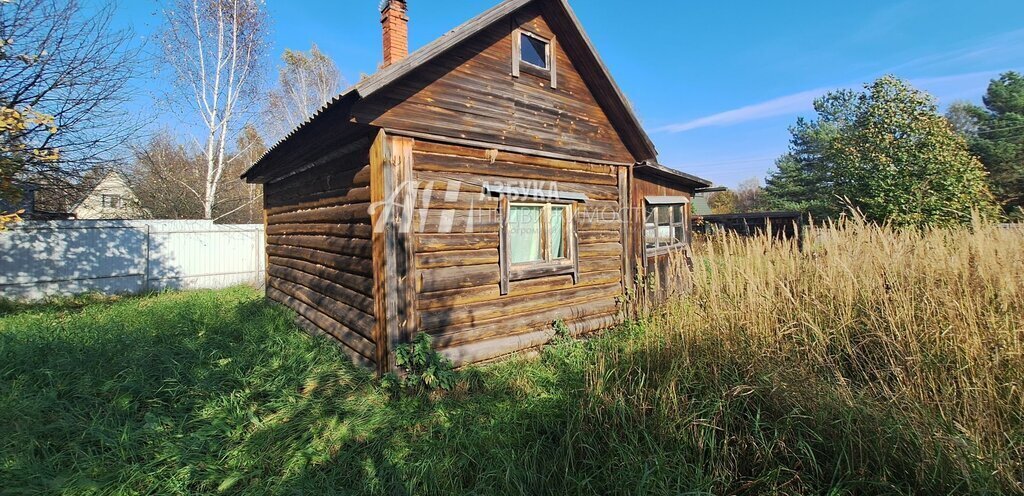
(533, 50)
(534, 55)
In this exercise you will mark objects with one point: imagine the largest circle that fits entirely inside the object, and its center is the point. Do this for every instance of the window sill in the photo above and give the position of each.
(665, 250)
(540, 269)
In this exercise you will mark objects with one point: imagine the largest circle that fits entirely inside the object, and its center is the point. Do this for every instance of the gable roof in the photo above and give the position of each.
(605, 90)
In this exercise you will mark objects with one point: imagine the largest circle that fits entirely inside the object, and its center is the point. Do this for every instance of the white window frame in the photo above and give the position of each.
(656, 203)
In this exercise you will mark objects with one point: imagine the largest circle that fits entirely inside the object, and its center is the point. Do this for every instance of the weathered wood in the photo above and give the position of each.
(449, 221)
(455, 298)
(351, 318)
(594, 250)
(625, 237)
(474, 347)
(599, 264)
(504, 259)
(458, 277)
(351, 195)
(354, 247)
(592, 237)
(380, 181)
(351, 340)
(358, 283)
(471, 96)
(511, 305)
(352, 213)
(449, 242)
(452, 163)
(345, 295)
(315, 330)
(473, 183)
(354, 265)
(433, 260)
(404, 272)
(361, 231)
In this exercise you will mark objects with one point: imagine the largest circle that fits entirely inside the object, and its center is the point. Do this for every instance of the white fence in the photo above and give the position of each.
(39, 259)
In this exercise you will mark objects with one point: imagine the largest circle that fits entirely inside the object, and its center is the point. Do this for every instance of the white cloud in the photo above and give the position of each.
(783, 105)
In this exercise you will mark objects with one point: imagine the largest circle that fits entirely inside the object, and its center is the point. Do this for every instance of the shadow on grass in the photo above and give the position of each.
(217, 391)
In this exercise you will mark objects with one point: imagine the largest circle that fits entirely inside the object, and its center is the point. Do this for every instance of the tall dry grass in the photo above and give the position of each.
(870, 358)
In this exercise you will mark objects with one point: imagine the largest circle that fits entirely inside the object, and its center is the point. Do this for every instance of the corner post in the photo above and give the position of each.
(392, 196)
(626, 234)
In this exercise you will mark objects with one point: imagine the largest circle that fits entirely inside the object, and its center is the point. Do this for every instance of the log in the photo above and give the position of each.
(360, 284)
(354, 213)
(345, 296)
(354, 247)
(464, 296)
(343, 263)
(478, 313)
(449, 242)
(457, 277)
(484, 343)
(340, 197)
(434, 260)
(323, 322)
(349, 317)
(361, 231)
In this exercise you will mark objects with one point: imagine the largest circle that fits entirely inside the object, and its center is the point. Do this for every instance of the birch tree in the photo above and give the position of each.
(306, 81)
(216, 50)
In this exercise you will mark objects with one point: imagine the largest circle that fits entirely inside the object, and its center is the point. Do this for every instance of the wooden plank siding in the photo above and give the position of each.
(319, 251)
(458, 298)
(470, 93)
(669, 279)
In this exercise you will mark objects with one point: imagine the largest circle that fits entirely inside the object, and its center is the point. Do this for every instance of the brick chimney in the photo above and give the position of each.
(395, 21)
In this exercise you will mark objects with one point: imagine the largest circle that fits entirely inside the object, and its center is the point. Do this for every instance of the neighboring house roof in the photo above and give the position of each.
(90, 182)
(604, 88)
(700, 206)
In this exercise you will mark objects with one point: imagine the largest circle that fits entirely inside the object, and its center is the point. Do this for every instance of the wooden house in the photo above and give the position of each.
(479, 189)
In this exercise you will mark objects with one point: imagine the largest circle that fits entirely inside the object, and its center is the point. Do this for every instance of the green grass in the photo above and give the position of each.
(217, 392)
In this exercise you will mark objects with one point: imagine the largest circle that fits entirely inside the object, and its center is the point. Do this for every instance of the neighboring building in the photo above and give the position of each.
(107, 196)
(491, 183)
(30, 206)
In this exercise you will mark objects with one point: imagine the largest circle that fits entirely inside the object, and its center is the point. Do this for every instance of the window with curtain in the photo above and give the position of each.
(538, 240)
(537, 233)
(665, 227)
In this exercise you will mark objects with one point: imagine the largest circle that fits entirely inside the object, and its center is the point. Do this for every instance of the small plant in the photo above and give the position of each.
(422, 368)
(562, 332)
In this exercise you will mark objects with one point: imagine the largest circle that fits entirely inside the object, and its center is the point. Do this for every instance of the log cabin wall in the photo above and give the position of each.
(458, 297)
(319, 250)
(659, 267)
(470, 93)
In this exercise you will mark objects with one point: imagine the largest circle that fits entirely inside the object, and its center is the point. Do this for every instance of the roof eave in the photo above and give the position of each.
(672, 174)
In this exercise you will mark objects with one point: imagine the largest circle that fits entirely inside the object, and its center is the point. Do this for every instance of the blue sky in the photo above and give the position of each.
(716, 84)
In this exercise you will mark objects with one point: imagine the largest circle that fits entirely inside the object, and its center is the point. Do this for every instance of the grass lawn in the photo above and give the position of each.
(852, 370)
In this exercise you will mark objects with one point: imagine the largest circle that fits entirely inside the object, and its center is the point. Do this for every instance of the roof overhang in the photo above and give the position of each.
(658, 170)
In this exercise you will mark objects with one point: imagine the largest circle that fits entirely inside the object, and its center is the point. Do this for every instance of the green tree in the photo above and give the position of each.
(899, 160)
(885, 151)
(803, 178)
(722, 202)
(998, 139)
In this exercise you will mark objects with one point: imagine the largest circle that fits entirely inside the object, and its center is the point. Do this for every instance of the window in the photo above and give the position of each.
(665, 226)
(533, 50)
(111, 201)
(534, 55)
(537, 240)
